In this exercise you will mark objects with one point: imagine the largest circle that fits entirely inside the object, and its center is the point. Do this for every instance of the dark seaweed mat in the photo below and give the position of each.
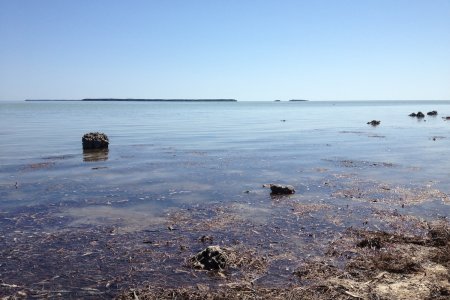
(43, 257)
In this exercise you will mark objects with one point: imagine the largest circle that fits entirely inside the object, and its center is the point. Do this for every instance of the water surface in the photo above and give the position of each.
(169, 154)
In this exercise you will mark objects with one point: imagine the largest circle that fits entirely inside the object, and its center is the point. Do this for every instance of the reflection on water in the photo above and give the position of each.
(90, 155)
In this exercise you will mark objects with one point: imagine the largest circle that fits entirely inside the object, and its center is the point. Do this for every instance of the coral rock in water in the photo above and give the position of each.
(95, 140)
(420, 115)
(374, 123)
(278, 189)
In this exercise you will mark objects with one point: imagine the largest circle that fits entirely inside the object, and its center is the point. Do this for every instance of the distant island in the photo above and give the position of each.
(162, 100)
(142, 100)
(277, 100)
(40, 100)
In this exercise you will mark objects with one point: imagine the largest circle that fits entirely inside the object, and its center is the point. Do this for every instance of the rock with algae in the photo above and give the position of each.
(95, 140)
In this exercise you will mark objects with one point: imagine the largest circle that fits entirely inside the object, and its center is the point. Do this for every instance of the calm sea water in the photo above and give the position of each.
(166, 155)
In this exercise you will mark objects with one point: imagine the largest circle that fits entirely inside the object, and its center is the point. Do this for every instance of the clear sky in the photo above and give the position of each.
(248, 50)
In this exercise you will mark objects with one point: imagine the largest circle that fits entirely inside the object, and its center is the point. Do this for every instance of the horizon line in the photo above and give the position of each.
(212, 99)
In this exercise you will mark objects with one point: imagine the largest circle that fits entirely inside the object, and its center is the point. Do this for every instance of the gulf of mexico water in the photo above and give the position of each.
(168, 155)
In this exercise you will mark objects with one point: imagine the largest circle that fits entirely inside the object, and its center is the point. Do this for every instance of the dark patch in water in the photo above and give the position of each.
(38, 166)
(348, 163)
(60, 157)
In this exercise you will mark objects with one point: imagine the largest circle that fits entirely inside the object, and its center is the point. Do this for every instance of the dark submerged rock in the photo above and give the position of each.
(432, 113)
(278, 189)
(373, 243)
(95, 140)
(417, 115)
(374, 123)
(420, 115)
(211, 258)
(206, 239)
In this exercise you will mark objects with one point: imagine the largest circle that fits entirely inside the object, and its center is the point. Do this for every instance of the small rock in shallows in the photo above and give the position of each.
(95, 140)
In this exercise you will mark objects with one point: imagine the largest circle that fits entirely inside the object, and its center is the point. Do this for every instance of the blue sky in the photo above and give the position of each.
(248, 50)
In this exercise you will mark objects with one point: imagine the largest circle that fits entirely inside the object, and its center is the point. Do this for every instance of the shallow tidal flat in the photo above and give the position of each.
(369, 219)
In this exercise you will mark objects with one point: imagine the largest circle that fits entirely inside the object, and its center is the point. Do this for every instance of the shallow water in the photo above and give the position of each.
(171, 154)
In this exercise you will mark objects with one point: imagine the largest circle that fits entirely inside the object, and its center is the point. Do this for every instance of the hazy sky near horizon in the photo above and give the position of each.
(247, 50)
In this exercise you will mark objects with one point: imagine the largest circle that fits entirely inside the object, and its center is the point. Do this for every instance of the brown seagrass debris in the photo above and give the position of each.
(239, 291)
